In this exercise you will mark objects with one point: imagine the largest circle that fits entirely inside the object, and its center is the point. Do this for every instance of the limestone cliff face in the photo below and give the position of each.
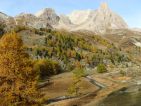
(98, 21)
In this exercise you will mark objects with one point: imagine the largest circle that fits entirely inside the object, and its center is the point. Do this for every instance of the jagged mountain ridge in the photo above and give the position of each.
(45, 18)
(98, 21)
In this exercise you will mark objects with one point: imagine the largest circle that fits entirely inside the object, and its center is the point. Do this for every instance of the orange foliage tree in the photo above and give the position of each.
(17, 78)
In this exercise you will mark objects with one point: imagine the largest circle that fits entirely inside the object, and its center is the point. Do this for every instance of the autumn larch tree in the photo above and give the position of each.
(74, 89)
(17, 77)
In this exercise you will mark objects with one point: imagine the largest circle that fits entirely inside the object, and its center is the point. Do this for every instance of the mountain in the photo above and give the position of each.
(45, 18)
(26, 19)
(98, 21)
(6, 22)
(48, 15)
(64, 23)
(31, 20)
(80, 16)
(3, 16)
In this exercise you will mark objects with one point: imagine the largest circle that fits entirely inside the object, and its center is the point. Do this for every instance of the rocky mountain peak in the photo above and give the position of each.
(45, 12)
(104, 6)
(98, 21)
(48, 15)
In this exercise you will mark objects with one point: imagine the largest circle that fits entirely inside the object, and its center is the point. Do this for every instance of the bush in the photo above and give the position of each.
(2, 29)
(79, 72)
(101, 68)
(47, 68)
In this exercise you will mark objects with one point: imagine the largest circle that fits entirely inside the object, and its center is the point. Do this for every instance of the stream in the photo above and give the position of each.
(130, 96)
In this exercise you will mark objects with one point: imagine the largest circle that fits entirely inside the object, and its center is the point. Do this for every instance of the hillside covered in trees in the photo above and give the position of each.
(30, 58)
(72, 49)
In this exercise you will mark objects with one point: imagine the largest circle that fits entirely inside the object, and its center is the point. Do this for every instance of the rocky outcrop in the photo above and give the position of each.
(64, 23)
(7, 22)
(3, 17)
(25, 19)
(31, 20)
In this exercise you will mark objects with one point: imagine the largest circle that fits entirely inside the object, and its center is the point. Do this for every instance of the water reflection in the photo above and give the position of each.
(123, 99)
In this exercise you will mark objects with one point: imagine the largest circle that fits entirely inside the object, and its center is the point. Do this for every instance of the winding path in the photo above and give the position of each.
(94, 82)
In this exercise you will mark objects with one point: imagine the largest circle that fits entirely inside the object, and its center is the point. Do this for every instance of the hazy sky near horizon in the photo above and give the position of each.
(130, 10)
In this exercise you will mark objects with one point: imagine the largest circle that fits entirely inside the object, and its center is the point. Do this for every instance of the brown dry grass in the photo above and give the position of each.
(94, 97)
(60, 84)
(90, 100)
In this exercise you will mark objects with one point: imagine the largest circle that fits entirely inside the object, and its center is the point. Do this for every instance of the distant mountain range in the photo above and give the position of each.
(98, 21)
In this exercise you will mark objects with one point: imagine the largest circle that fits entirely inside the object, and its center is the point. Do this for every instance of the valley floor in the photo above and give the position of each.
(90, 94)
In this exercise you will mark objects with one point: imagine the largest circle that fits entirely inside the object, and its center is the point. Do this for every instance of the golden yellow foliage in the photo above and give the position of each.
(17, 78)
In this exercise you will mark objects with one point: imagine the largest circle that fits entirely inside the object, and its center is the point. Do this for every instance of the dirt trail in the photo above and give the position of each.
(94, 82)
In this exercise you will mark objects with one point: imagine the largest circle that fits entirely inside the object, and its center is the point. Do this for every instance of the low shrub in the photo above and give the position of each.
(46, 68)
(101, 68)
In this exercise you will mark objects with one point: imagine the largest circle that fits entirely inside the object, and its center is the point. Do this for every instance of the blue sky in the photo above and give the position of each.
(130, 10)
